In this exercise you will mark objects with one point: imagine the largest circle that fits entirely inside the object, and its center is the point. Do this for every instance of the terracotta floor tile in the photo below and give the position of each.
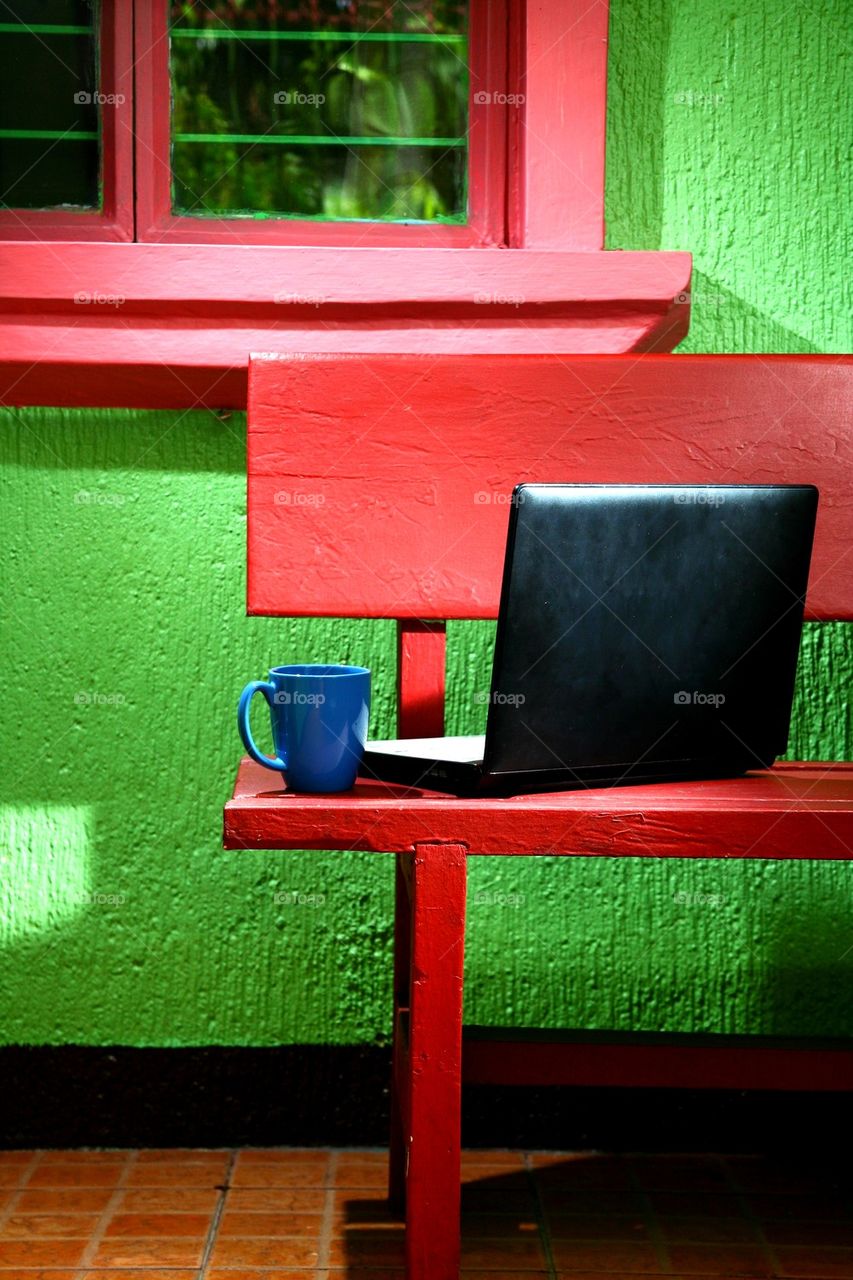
(675, 1173)
(477, 1274)
(565, 1200)
(235, 1223)
(84, 1157)
(17, 1157)
(522, 1255)
(695, 1204)
(591, 1226)
(759, 1174)
(144, 1253)
(259, 1253)
(41, 1253)
(252, 1273)
(795, 1232)
(182, 1155)
(168, 1200)
(136, 1273)
(816, 1263)
(279, 1175)
(77, 1174)
(483, 1197)
(11, 1174)
(36, 1273)
(709, 1230)
(355, 1172)
(497, 1158)
(73, 1226)
(178, 1174)
(498, 1174)
(576, 1256)
(720, 1259)
(503, 1226)
(276, 1199)
(368, 1249)
(608, 1175)
(154, 1225)
(284, 1155)
(774, 1207)
(64, 1200)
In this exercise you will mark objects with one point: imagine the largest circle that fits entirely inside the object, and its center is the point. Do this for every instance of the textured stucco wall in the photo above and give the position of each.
(125, 646)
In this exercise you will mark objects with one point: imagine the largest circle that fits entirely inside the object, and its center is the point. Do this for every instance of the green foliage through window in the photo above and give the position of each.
(326, 109)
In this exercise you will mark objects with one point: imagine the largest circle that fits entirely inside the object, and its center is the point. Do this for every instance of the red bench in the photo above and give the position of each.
(395, 472)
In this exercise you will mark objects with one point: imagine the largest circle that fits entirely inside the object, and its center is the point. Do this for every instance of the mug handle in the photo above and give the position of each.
(268, 690)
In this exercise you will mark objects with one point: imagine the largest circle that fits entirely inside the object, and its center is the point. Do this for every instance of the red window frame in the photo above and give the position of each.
(486, 225)
(115, 220)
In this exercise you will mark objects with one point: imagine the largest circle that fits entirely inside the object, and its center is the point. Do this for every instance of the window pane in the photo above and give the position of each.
(321, 109)
(49, 148)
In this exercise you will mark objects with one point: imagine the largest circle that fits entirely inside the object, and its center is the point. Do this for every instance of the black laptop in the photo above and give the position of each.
(645, 633)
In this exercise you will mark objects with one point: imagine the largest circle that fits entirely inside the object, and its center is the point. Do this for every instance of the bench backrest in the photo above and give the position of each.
(379, 485)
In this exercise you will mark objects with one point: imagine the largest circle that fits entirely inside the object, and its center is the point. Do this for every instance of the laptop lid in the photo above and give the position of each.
(644, 627)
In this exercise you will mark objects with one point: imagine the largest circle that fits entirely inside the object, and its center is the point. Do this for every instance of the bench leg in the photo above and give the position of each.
(432, 1112)
(399, 1090)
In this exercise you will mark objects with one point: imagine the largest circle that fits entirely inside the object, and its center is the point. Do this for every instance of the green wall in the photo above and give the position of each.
(125, 645)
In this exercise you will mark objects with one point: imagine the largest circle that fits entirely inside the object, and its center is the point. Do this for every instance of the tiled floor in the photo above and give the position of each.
(295, 1215)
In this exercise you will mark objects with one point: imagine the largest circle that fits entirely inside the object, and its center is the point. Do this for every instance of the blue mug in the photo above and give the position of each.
(319, 724)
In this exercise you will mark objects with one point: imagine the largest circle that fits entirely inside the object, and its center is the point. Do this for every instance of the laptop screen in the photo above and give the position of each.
(647, 624)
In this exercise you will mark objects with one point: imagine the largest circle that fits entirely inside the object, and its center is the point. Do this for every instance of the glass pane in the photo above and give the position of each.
(49, 146)
(329, 109)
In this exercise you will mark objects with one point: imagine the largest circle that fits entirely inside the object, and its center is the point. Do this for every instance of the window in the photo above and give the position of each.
(270, 121)
(351, 110)
(65, 110)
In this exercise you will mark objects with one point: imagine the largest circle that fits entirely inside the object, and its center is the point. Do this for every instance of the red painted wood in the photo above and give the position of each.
(400, 1053)
(185, 318)
(420, 678)
(487, 157)
(407, 514)
(561, 130)
(789, 811)
(115, 221)
(744, 1065)
(432, 1109)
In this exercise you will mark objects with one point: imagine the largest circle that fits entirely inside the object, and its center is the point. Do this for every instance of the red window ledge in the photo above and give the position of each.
(165, 325)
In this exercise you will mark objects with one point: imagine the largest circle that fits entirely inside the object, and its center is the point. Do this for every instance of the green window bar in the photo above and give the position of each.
(50, 153)
(310, 121)
(349, 37)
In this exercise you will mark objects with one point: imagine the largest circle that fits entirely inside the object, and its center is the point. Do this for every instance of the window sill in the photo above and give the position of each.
(169, 325)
